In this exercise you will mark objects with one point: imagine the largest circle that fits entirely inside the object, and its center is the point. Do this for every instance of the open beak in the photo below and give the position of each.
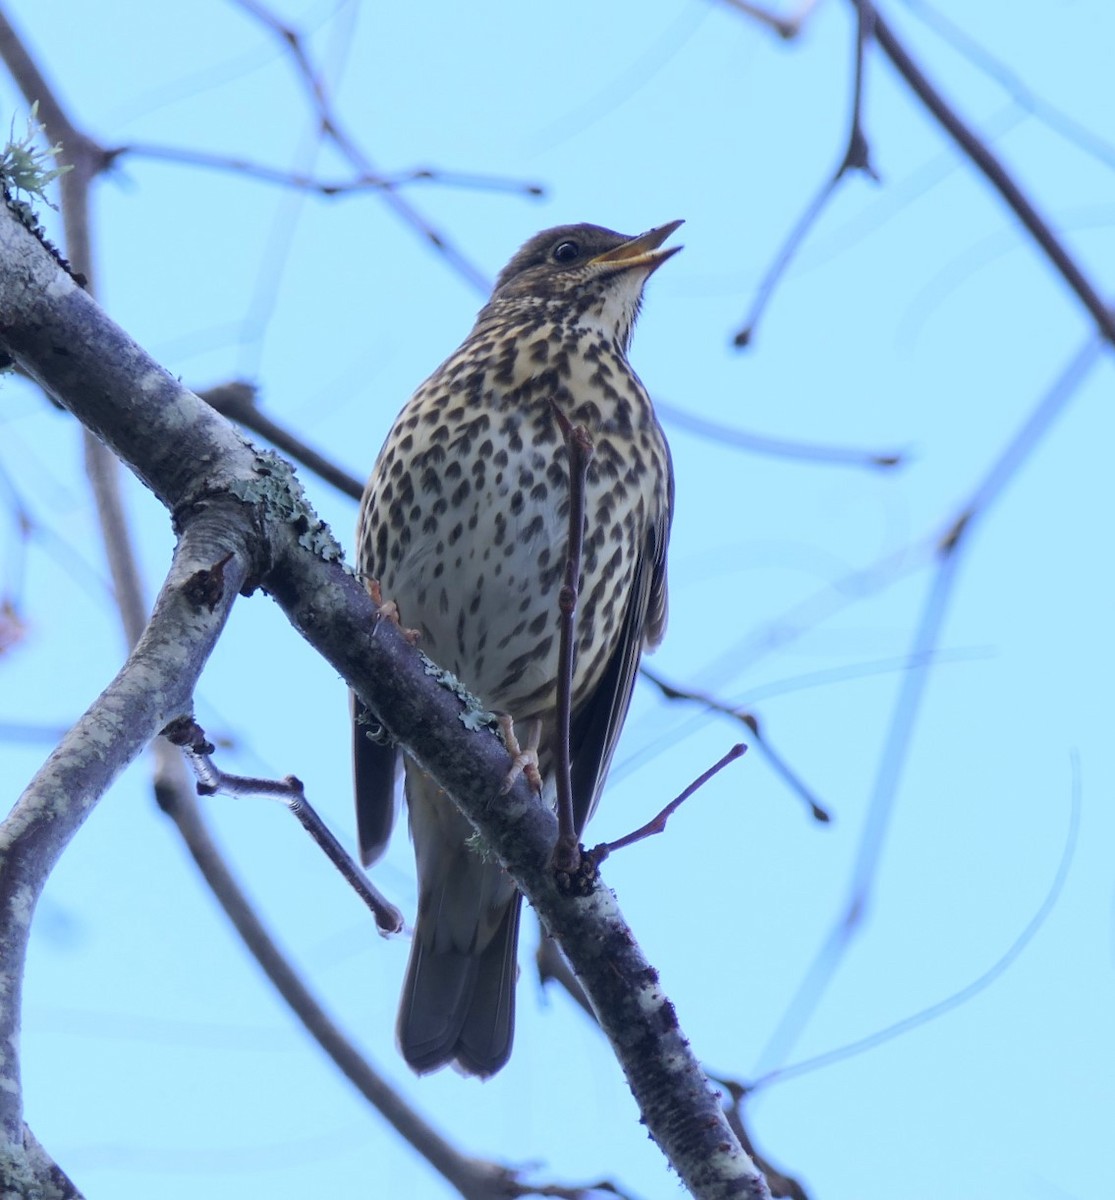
(641, 251)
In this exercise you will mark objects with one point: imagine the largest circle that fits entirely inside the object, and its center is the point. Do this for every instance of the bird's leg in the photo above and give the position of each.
(524, 760)
(388, 610)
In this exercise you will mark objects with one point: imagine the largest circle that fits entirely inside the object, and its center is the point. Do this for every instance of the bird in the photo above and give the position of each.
(463, 529)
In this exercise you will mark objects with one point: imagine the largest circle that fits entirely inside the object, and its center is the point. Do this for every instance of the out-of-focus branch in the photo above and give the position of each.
(749, 721)
(856, 157)
(757, 443)
(86, 159)
(911, 691)
(295, 47)
(786, 27)
(361, 182)
(982, 981)
(871, 25)
(986, 162)
(1023, 96)
(237, 401)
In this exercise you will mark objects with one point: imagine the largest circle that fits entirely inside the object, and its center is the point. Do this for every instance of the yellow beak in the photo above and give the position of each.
(641, 251)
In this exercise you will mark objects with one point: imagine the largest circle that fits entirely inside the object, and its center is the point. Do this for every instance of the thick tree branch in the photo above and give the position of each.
(155, 685)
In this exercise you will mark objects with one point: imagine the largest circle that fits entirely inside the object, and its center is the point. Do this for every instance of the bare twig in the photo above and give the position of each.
(911, 691)
(787, 28)
(578, 445)
(1023, 96)
(294, 44)
(190, 737)
(747, 718)
(978, 153)
(856, 158)
(966, 993)
(982, 157)
(758, 443)
(472, 1177)
(362, 182)
(657, 824)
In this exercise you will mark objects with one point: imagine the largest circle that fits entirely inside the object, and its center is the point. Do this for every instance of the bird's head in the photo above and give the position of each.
(583, 275)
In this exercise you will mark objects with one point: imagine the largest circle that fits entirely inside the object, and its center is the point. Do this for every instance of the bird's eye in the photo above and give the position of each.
(566, 252)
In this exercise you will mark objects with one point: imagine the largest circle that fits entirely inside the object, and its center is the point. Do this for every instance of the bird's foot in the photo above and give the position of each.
(388, 610)
(524, 760)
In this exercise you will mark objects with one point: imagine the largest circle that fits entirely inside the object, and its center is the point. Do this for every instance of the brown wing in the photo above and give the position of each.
(375, 768)
(596, 727)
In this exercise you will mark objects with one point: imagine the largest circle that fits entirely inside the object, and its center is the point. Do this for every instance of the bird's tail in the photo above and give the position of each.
(458, 1002)
(460, 1007)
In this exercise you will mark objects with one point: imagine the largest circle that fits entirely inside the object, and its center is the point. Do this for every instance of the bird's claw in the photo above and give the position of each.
(388, 610)
(524, 760)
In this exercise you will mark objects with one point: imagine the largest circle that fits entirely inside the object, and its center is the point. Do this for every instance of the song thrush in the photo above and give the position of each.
(464, 523)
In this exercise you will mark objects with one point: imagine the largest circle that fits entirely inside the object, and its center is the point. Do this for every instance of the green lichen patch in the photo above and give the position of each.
(276, 487)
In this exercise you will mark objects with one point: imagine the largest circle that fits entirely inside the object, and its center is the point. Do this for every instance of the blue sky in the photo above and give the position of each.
(917, 319)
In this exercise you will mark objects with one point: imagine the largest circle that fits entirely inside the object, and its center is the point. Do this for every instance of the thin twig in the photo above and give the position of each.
(473, 1177)
(982, 981)
(1020, 92)
(578, 445)
(856, 157)
(981, 156)
(657, 824)
(361, 182)
(758, 443)
(787, 28)
(911, 692)
(294, 45)
(747, 718)
(190, 737)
